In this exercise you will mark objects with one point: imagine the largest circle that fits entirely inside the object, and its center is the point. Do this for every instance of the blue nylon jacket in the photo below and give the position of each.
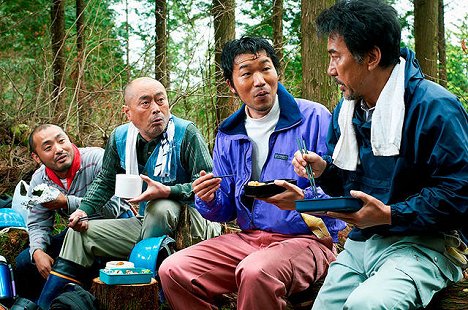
(427, 184)
(232, 154)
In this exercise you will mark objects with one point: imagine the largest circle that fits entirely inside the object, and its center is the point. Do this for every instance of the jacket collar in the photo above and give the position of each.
(413, 73)
(289, 115)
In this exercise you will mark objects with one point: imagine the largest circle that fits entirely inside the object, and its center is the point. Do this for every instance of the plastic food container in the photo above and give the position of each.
(119, 264)
(265, 188)
(117, 276)
(337, 204)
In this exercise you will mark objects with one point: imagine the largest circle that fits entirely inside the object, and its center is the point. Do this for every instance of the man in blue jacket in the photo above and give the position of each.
(398, 142)
(277, 253)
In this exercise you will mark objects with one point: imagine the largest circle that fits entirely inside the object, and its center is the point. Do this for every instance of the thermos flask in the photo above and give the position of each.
(6, 285)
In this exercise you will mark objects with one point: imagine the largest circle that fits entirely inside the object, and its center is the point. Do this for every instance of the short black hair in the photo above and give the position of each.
(32, 146)
(364, 24)
(245, 45)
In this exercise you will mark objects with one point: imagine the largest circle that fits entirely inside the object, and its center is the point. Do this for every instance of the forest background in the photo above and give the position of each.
(66, 61)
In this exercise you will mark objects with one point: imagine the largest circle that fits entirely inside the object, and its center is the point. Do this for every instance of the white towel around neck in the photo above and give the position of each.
(163, 162)
(131, 159)
(386, 127)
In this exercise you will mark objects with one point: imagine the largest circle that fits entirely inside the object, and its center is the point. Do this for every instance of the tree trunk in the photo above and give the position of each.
(127, 43)
(126, 297)
(425, 36)
(83, 109)
(223, 12)
(160, 59)
(278, 39)
(441, 46)
(316, 85)
(58, 65)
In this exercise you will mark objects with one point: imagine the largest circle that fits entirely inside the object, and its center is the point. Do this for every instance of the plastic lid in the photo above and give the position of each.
(119, 264)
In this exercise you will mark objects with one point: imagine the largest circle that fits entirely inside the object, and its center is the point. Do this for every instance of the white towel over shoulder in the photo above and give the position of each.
(163, 162)
(131, 160)
(386, 127)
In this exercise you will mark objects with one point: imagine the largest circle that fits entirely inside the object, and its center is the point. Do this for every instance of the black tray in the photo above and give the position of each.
(266, 190)
(336, 204)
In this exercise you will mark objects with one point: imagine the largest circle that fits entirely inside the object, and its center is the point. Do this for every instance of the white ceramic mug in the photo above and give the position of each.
(128, 185)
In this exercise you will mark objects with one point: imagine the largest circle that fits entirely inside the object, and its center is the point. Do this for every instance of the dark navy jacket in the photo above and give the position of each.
(427, 184)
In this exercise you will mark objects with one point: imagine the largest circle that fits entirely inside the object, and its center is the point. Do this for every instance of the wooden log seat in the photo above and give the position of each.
(126, 297)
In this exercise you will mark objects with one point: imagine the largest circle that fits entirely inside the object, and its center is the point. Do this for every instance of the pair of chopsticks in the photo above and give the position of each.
(223, 176)
(310, 173)
(91, 217)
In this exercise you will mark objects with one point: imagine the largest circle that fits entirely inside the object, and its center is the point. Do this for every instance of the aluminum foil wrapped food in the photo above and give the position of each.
(40, 194)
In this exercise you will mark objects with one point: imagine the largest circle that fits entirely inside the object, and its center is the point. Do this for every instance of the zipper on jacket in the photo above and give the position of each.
(249, 173)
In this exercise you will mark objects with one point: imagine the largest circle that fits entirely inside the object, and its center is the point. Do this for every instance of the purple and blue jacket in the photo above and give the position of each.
(232, 154)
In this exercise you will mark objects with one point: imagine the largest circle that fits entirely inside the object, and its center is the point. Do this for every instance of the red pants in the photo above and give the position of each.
(263, 268)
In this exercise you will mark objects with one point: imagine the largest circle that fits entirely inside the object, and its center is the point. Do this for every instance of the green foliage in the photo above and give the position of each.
(190, 59)
(457, 63)
(257, 22)
(26, 75)
(26, 63)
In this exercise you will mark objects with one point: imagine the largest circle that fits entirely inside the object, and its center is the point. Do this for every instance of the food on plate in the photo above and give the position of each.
(255, 183)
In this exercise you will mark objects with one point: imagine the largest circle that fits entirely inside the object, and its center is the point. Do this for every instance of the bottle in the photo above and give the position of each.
(6, 291)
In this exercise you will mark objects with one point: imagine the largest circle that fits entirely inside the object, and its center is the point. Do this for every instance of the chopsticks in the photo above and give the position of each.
(310, 173)
(91, 217)
(223, 176)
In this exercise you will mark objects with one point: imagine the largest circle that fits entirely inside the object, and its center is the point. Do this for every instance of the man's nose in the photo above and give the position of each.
(331, 70)
(155, 108)
(258, 79)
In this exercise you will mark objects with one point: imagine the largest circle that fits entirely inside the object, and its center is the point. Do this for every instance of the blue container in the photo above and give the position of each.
(138, 276)
(6, 290)
(335, 204)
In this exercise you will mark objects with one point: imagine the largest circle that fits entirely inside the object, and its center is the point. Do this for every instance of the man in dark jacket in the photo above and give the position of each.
(397, 142)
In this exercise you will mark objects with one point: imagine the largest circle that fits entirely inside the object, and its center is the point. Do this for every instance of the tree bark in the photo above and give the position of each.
(127, 43)
(83, 109)
(441, 46)
(126, 297)
(425, 36)
(58, 64)
(160, 59)
(223, 12)
(278, 39)
(316, 85)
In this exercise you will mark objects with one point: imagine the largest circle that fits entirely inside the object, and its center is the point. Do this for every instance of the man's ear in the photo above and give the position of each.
(36, 158)
(126, 110)
(374, 58)
(231, 87)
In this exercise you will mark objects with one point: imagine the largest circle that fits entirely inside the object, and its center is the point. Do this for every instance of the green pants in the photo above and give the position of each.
(116, 237)
(399, 272)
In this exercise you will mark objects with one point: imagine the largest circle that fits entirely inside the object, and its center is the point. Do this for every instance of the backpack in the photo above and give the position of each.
(74, 297)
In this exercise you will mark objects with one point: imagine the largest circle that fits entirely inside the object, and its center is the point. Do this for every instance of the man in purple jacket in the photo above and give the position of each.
(277, 253)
